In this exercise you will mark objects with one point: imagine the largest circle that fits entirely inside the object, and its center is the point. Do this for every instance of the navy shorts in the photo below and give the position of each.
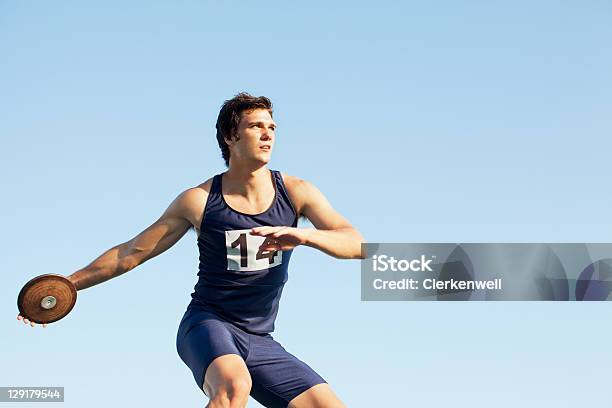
(277, 376)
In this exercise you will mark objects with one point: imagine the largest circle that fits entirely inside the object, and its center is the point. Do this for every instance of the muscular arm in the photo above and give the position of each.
(154, 240)
(333, 234)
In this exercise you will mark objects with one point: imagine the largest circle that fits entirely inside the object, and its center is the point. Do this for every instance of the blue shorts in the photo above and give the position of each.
(277, 376)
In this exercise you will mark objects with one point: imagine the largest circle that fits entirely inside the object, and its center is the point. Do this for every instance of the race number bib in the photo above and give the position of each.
(244, 253)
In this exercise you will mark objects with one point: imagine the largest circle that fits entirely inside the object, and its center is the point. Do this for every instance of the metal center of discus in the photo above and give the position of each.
(48, 302)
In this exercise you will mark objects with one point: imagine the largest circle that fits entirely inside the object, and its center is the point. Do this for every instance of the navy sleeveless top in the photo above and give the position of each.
(236, 280)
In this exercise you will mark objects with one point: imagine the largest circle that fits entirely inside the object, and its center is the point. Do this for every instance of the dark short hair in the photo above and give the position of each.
(229, 118)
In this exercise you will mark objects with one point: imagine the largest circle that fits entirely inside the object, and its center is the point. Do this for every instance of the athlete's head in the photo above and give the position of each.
(245, 127)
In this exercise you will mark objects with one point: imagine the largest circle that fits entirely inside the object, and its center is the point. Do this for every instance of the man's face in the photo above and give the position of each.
(255, 137)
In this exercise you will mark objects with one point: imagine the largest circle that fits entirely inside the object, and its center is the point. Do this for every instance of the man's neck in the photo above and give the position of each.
(247, 182)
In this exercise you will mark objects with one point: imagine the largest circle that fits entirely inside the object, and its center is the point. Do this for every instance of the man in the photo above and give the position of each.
(246, 221)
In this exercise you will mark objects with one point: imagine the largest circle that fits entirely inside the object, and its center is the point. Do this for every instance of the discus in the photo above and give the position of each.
(47, 298)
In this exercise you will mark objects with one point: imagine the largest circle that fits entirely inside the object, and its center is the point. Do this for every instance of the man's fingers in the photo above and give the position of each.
(259, 230)
(276, 232)
(27, 321)
(278, 238)
(263, 231)
(279, 234)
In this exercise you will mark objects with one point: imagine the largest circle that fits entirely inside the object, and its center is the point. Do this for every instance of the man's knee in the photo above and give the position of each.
(318, 396)
(227, 382)
(230, 393)
(237, 387)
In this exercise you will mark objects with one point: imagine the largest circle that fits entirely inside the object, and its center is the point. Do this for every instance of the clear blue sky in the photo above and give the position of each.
(476, 121)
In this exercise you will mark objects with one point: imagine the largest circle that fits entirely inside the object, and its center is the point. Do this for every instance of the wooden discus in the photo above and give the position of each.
(47, 298)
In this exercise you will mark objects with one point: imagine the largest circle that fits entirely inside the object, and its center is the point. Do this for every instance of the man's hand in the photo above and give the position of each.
(282, 238)
(26, 321)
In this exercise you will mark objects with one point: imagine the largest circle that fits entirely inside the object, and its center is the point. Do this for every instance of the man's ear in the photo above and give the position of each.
(232, 141)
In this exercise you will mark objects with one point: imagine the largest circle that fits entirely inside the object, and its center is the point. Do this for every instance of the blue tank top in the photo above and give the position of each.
(236, 280)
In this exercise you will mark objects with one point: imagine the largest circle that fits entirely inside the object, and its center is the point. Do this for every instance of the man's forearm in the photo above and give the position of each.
(340, 243)
(111, 263)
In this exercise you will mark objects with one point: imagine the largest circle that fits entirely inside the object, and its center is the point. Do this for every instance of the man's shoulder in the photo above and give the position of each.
(204, 186)
(199, 191)
(191, 200)
(292, 182)
(299, 190)
(297, 184)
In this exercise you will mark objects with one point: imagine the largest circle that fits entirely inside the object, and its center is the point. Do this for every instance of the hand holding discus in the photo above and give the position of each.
(46, 299)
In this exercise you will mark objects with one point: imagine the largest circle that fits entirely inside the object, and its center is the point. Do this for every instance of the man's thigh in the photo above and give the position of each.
(318, 396)
(278, 376)
(206, 340)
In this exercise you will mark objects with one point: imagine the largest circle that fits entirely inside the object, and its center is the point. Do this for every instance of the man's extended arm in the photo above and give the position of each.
(154, 240)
